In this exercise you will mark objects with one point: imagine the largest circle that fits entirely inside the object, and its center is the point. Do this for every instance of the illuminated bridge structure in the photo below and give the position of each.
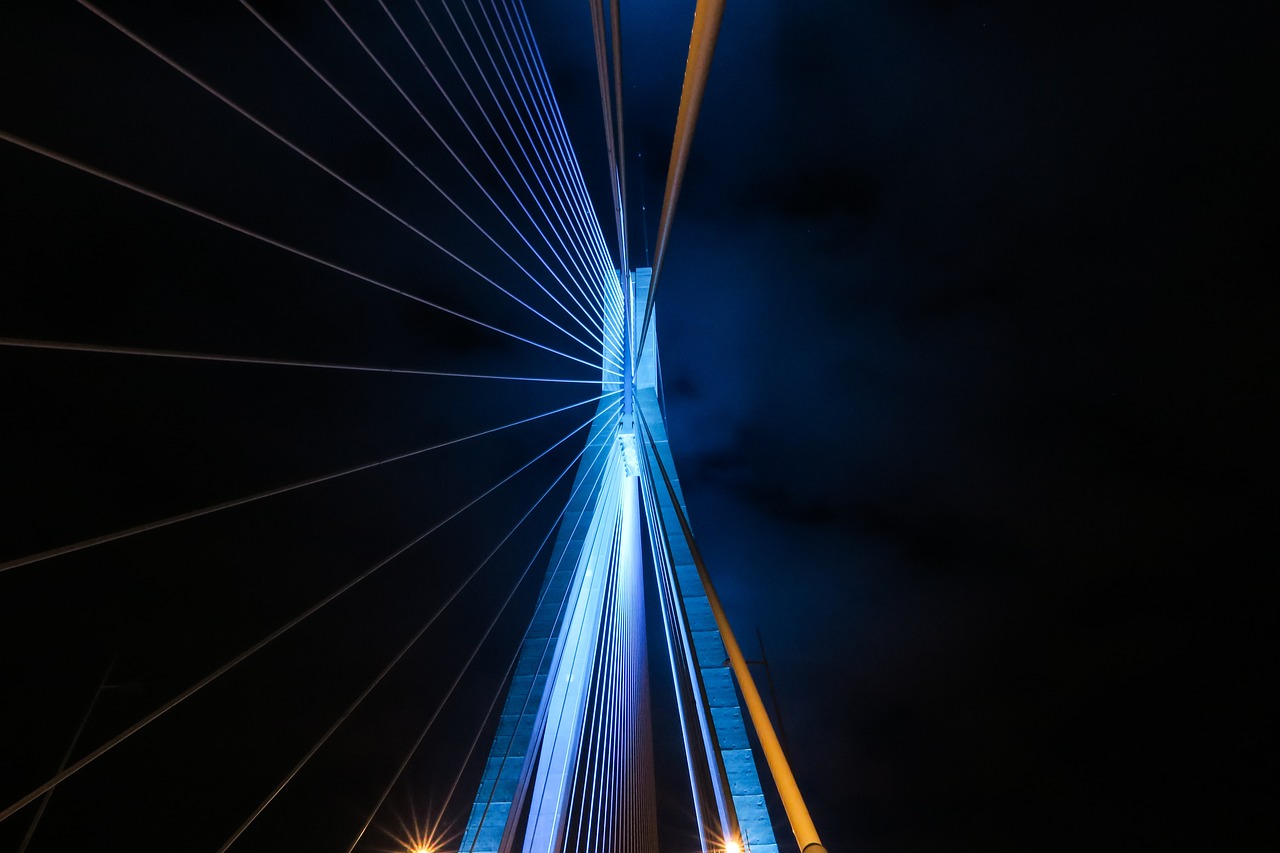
(570, 767)
(570, 763)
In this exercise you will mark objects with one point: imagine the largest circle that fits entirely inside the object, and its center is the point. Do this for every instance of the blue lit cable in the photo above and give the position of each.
(413, 105)
(327, 170)
(62, 776)
(525, 30)
(516, 136)
(540, 113)
(404, 650)
(565, 264)
(553, 198)
(278, 490)
(109, 349)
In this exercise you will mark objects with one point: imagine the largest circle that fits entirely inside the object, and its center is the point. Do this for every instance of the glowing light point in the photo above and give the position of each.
(732, 847)
(627, 445)
(415, 838)
(630, 454)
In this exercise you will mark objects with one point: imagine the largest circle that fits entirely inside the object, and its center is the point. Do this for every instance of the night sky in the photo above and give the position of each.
(966, 339)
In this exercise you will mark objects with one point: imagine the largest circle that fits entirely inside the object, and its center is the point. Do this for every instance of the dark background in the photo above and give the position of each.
(966, 340)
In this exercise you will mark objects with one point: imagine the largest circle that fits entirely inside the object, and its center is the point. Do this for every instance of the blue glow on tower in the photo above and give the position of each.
(570, 768)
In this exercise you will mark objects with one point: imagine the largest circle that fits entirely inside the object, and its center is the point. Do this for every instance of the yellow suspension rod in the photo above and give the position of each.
(702, 47)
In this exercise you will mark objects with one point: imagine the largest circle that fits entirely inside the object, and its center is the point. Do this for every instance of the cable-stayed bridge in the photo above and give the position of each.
(529, 301)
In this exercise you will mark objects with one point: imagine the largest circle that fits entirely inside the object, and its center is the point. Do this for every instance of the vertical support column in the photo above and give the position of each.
(508, 774)
(629, 345)
(508, 769)
(571, 676)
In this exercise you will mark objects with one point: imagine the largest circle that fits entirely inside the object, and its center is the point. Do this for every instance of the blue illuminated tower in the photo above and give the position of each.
(570, 767)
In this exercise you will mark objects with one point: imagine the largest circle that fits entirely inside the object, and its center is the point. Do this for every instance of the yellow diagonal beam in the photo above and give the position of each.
(702, 47)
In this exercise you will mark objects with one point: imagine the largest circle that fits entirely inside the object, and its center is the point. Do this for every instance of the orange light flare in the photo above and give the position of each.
(419, 841)
(416, 836)
(418, 844)
(728, 845)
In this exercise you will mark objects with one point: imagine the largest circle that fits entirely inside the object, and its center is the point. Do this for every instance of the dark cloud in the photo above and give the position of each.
(963, 324)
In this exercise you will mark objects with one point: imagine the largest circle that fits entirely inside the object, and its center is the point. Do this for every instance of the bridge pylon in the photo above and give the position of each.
(570, 767)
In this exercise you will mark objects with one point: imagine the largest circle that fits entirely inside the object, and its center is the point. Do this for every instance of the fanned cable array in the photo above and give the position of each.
(523, 249)
(367, 369)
